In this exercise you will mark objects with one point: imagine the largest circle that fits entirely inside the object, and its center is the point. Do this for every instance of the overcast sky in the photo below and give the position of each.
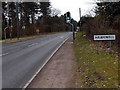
(73, 6)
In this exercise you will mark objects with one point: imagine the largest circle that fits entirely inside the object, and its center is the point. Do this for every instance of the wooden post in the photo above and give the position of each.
(110, 47)
(97, 47)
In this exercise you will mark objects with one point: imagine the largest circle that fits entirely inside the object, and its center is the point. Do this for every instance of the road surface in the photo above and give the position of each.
(60, 72)
(21, 60)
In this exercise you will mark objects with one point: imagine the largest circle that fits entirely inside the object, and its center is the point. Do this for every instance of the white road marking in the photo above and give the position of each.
(32, 44)
(4, 54)
(61, 36)
(28, 83)
(42, 43)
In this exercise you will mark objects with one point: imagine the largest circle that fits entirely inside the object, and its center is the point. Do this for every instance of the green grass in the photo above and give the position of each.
(95, 70)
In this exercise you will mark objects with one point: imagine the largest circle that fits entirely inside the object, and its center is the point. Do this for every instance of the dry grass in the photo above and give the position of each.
(95, 70)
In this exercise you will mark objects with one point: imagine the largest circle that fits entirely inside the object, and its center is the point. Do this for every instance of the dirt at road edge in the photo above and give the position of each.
(60, 71)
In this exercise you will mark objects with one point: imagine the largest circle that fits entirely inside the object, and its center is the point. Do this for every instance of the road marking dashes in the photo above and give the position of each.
(3, 54)
(61, 36)
(32, 44)
(28, 83)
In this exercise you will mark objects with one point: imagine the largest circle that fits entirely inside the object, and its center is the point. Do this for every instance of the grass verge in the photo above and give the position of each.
(26, 37)
(94, 70)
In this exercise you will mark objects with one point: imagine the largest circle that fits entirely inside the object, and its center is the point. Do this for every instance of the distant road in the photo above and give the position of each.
(21, 60)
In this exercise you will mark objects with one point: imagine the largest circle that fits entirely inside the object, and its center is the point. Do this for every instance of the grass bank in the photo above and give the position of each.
(27, 37)
(94, 70)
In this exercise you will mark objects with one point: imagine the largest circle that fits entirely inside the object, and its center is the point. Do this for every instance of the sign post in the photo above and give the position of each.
(105, 38)
(68, 20)
(110, 46)
(10, 28)
(5, 36)
(97, 47)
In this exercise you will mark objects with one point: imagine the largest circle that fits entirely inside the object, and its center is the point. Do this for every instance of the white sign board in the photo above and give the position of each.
(104, 37)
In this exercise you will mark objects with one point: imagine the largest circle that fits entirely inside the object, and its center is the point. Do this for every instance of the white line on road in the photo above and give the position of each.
(32, 44)
(3, 54)
(61, 36)
(28, 83)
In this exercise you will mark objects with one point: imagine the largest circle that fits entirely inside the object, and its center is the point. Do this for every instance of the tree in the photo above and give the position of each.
(109, 9)
(28, 10)
(55, 12)
(31, 16)
(45, 8)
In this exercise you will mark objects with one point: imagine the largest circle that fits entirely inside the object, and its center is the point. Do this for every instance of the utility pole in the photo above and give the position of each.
(17, 5)
(80, 17)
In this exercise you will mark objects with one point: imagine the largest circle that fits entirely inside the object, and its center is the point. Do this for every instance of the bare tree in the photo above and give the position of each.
(55, 12)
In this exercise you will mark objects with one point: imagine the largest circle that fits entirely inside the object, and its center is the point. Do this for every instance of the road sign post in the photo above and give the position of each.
(10, 28)
(5, 36)
(73, 30)
(105, 38)
(68, 20)
(110, 46)
(97, 47)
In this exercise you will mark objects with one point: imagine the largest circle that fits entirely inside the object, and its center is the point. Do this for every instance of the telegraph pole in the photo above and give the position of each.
(80, 17)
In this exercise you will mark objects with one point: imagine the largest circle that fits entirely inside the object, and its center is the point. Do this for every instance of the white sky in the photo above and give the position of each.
(73, 6)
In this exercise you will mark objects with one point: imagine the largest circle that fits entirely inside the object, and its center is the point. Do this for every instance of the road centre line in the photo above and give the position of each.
(61, 36)
(43, 43)
(4, 54)
(32, 44)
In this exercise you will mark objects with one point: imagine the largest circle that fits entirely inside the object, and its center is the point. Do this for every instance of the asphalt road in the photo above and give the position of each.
(21, 60)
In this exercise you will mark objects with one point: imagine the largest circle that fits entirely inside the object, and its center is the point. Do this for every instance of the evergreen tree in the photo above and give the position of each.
(45, 8)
